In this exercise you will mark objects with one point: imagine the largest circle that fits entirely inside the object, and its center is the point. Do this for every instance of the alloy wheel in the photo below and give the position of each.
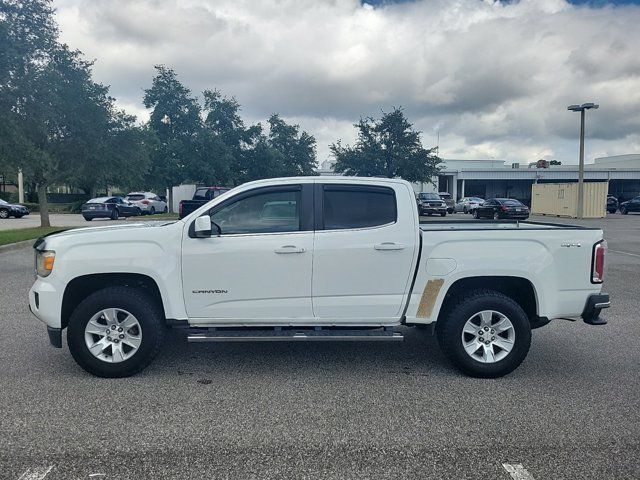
(113, 335)
(488, 336)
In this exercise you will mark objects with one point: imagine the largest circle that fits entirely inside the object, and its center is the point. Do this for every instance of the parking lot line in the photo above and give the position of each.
(625, 253)
(517, 471)
(37, 473)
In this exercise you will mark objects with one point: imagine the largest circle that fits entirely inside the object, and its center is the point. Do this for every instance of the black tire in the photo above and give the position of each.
(166, 210)
(496, 216)
(623, 210)
(476, 215)
(17, 216)
(152, 211)
(464, 210)
(138, 212)
(115, 214)
(443, 214)
(449, 333)
(140, 305)
(88, 219)
(4, 213)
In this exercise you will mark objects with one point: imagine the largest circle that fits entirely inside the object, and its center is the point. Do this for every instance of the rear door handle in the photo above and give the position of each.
(389, 246)
(289, 249)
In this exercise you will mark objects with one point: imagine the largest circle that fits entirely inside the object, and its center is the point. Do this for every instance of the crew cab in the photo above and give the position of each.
(315, 259)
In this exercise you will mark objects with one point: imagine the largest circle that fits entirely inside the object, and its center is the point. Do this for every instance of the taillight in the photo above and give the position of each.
(597, 263)
(145, 202)
(504, 209)
(180, 208)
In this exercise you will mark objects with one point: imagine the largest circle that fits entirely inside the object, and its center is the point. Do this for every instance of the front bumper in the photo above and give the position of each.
(595, 304)
(428, 209)
(45, 302)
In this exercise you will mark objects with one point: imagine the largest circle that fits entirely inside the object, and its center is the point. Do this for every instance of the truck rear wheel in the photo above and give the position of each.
(485, 334)
(115, 332)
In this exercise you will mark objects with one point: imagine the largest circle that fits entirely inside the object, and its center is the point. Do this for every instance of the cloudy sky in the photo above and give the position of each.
(493, 78)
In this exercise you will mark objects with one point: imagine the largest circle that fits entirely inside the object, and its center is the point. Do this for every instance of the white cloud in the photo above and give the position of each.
(494, 78)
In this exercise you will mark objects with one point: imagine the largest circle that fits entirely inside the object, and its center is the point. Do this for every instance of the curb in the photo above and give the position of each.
(16, 246)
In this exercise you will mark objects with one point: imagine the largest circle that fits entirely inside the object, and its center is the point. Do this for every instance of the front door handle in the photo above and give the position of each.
(289, 249)
(389, 246)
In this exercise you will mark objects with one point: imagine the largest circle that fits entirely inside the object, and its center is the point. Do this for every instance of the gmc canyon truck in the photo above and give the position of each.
(314, 259)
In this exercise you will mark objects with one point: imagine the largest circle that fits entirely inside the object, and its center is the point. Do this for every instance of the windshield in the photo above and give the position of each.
(476, 199)
(429, 196)
(134, 198)
(99, 200)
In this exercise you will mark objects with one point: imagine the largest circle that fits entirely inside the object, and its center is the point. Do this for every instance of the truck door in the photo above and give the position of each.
(259, 267)
(364, 251)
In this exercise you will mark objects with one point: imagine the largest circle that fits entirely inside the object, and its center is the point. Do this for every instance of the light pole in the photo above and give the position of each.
(581, 108)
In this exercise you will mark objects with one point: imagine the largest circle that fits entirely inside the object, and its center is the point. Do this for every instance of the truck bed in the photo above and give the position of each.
(497, 225)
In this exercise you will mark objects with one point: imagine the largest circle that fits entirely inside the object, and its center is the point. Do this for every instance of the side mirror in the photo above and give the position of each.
(202, 227)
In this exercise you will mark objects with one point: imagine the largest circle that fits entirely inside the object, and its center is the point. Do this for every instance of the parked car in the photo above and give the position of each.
(449, 200)
(612, 204)
(632, 205)
(352, 265)
(468, 204)
(498, 208)
(12, 210)
(149, 202)
(201, 196)
(431, 203)
(109, 207)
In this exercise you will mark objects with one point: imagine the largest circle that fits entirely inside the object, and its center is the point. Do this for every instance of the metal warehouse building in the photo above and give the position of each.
(493, 178)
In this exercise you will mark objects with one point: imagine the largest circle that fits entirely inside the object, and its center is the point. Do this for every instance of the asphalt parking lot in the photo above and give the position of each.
(572, 410)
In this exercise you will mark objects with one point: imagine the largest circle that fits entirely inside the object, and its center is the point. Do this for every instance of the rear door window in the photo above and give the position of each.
(356, 206)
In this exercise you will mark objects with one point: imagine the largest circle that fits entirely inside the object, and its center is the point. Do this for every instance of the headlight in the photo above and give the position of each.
(44, 262)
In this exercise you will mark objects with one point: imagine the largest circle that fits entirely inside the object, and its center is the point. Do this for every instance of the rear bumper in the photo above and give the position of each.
(595, 304)
(97, 214)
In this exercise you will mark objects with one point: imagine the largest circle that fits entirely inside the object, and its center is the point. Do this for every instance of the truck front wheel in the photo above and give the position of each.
(115, 332)
(485, 334)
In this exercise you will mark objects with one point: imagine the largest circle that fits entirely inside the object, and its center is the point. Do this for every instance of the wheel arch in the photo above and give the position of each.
(518, 288)
(82, 286)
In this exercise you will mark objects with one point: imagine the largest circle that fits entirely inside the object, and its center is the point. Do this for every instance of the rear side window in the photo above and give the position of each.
(201, 194)
(512, 203)
(358, 206)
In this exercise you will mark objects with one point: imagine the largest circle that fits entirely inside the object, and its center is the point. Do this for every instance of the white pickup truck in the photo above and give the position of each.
(312, 259)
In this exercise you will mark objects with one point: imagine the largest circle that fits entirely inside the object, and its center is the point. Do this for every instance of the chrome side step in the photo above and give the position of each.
(293, 335)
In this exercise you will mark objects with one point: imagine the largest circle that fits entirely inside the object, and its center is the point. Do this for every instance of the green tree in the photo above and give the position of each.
(388, 147)
(285, 151)
(175, 119)
(223, 122)
(296, 148)
(28, 37)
